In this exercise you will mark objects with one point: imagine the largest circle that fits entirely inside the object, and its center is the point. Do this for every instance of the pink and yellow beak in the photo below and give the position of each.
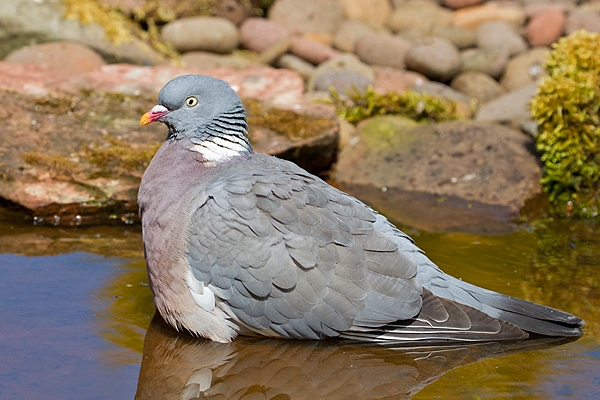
(155, 114)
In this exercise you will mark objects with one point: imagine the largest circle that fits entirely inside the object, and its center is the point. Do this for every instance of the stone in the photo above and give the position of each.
(418, 14)
(342, 62)
(525, 68)
(472, 17)
(478, 85)
(44, 21)
(295, 63)
(582, 19)
(383, 49)
(348, 33)
(343, 82)
(258, 34)
(311, 51)
(388, 79)
(464, 104)
(276, 50)
(235, 11)
(436, 58)
(53, 55)
(80, 164)
(207, 60)
(461, 37)
(512, 108)
(217, 35)
(500, 34)
(545, 27)
(533, 8)
(372, 12)
(491, 61)
(456, 4)
(461, 176)
(308, 15)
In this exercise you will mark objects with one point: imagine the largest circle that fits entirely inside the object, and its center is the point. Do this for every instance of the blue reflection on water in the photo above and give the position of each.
(48, 344)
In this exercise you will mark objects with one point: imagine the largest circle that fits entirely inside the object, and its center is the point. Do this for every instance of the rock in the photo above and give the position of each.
(206, 60)
(500, 34)
(383, 49)
(272, 53)
(461, 37)
(290, 61)
(348, 33)
(311, 51)
(491, 61)
(343, 62)
(478, 85)
(217, 35)
(464, 104)
(512, 108)
(343, 82)
(307, 16)
(472, 17)
(235, 11)
(545, 28)
(525, 68)
(373, 12)
(77, 158)
(436, 58)
(418, 14)
(459, 176)
(534, 8)
(456, 4)
(53, 55)
(582, 19)
(44, 21)
(258, 34)
(388, 79)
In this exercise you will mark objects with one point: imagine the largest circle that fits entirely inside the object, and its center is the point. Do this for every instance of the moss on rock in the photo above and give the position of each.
(414, 105)
(566, 108)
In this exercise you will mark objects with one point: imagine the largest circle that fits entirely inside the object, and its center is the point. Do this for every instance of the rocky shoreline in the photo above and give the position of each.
(71, 152)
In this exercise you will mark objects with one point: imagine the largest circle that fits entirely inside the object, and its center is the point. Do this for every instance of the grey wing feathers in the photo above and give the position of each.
(287, 252)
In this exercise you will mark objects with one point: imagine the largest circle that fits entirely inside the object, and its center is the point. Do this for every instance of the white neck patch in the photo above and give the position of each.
(217, 149)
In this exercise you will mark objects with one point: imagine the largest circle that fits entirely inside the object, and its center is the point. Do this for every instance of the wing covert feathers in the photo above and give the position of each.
(288, 255)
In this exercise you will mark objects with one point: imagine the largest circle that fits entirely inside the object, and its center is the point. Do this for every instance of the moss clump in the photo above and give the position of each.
(414, 105)
(117, 27)
(119, 158)
(58, 166)
(285, 122)
(566, 108)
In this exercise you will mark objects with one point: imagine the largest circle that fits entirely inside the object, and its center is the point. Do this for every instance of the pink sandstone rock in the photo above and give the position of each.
(545, 27)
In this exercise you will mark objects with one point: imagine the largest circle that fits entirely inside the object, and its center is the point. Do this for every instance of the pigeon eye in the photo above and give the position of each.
(191, 101)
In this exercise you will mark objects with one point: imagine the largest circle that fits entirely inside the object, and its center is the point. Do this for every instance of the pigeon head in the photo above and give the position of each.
(205, 110)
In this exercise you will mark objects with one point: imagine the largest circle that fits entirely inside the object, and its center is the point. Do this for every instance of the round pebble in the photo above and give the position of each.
(436, 58)
(214, 34)
(258, 34)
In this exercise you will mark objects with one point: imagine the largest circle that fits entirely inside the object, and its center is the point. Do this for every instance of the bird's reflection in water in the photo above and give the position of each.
(177, 366)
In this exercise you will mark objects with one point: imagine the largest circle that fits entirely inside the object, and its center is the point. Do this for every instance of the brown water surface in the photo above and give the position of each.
(76, 311)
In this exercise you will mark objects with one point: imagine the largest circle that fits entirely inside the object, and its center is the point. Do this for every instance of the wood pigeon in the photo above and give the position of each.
(238, 242)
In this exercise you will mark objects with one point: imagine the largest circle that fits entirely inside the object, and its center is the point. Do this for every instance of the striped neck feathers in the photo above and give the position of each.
(224, 138)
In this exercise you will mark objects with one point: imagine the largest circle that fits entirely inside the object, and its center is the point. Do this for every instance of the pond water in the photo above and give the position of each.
(76, 323)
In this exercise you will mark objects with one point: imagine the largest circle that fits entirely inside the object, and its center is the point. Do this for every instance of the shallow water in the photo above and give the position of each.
(75, 310)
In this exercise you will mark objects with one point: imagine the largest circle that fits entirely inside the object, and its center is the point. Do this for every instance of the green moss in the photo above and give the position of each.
(566, 108)
(118, 27)
(58, 166)
(285, 122)
(417, 106)
(118, 158)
